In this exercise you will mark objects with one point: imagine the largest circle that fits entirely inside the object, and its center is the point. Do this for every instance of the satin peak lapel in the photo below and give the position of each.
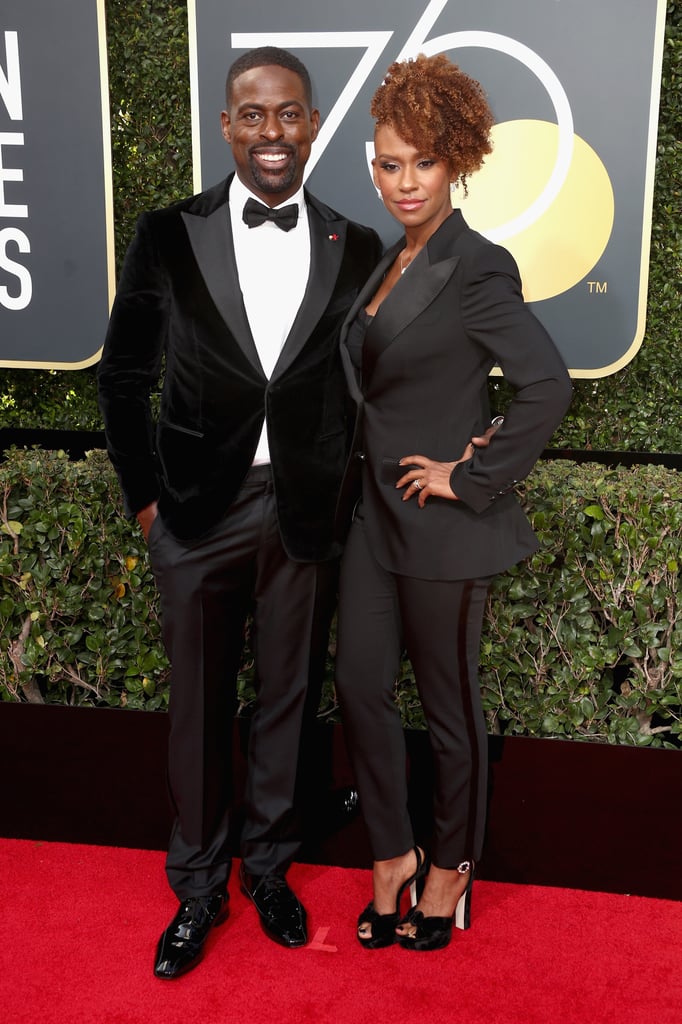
(327, 245)
(372, 283)
(415, 291)
(211, 241)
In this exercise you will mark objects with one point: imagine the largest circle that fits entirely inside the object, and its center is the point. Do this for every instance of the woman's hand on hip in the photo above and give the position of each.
(433, 478)
(427, 477)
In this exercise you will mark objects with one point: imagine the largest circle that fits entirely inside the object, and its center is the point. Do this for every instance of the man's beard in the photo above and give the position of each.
(274, 182)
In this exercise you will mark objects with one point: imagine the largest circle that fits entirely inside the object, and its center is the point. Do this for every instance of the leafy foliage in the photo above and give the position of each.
(151, 133)
(583, 641)
(77, 609)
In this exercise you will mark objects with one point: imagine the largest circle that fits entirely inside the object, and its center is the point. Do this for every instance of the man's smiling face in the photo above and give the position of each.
(270, 127)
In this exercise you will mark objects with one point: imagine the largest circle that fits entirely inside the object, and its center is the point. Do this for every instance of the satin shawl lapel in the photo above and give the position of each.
(211, 241)
(327, 244)
(409, 297)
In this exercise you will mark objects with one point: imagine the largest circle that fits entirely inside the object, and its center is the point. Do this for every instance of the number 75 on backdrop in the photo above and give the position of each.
(574, 87)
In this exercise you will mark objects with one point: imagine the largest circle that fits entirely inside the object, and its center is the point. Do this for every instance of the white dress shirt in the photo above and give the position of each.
(273, 268)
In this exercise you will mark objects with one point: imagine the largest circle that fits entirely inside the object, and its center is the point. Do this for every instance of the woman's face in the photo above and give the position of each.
(414, 186)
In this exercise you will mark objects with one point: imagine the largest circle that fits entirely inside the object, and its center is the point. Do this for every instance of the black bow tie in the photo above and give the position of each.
(256, 213)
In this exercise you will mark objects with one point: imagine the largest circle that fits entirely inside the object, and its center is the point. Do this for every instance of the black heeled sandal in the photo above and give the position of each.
(436, 932)
(384, 925)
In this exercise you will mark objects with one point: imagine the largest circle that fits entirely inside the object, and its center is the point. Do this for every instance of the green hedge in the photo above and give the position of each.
(586, 640)
(583, 641)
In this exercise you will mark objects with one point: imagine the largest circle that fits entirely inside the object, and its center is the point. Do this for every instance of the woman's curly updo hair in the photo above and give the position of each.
(437, 108)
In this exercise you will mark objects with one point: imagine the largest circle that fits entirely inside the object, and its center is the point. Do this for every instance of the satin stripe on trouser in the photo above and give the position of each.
(439, 623)
(207, 588)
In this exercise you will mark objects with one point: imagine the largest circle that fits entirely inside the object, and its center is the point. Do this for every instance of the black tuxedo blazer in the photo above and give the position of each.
(457, 311)
(179, 300)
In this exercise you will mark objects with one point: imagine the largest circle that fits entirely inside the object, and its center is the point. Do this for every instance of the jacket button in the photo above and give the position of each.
(361, 456)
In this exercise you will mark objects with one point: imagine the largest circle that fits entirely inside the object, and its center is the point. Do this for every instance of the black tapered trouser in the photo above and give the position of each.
(439, 624)
(208, 586)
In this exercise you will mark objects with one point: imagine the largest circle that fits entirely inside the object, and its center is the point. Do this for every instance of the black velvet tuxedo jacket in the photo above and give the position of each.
(179, 299)
(457, 311)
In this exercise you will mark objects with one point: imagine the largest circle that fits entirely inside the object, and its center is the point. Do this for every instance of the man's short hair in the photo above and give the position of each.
(266, 56)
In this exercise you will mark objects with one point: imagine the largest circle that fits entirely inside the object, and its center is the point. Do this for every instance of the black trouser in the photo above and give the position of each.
(439, 623)
(207, 588)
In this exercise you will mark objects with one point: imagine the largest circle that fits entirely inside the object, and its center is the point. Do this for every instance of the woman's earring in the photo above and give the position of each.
(453, 187)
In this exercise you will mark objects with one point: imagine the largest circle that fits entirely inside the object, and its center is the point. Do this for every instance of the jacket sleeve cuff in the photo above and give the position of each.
(475, 496)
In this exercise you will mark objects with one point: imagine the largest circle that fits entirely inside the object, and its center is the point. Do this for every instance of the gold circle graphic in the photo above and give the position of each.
(562, 246)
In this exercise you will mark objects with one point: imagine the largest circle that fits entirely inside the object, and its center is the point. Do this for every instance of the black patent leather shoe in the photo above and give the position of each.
(181, 946)
(282, 915)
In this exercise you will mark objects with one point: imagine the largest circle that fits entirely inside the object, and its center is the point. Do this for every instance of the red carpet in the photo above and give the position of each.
(80, 925)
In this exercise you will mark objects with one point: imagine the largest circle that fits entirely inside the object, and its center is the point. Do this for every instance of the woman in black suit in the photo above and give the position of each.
(441, 309)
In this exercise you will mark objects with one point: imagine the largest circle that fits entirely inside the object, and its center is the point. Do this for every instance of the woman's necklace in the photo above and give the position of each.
(404, 266)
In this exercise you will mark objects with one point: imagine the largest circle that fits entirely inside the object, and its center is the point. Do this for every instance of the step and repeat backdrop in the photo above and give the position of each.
(574, 87)
(56, 222)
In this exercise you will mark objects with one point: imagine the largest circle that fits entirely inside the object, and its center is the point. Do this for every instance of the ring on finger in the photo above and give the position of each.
(418, 484)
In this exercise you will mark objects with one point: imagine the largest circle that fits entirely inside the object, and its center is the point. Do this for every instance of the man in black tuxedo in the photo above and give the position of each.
(241, 292)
